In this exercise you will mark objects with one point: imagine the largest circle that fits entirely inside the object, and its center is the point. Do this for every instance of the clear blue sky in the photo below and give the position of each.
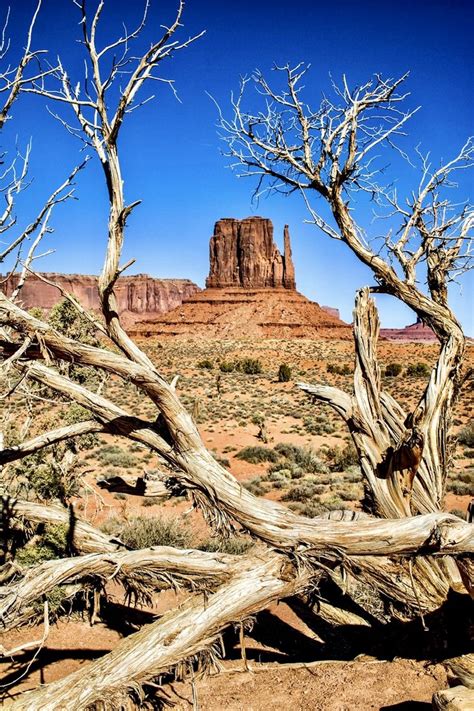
(171, 151)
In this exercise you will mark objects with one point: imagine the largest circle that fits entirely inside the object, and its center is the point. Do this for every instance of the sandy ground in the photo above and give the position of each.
(226, 426)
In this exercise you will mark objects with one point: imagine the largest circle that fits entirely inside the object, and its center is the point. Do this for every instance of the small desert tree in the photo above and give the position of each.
(298, 552)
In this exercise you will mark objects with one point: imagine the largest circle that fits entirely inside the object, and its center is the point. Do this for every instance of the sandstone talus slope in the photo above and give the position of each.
(236, 313)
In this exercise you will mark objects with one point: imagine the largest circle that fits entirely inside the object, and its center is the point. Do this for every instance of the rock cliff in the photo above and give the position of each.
(416, 332)
(242, 253)
(137, 295)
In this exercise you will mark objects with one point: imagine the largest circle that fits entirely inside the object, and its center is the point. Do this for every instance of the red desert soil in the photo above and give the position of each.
(326, 686)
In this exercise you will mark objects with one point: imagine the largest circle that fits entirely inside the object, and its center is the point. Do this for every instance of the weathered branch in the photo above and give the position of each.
(140, 572)
(84, 537)
(179, 635)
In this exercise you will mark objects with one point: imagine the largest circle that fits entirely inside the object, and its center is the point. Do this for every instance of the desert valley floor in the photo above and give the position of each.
(279, 445)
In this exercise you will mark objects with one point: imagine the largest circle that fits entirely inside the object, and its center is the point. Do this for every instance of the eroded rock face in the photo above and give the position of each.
(139, 294)
(243, 253)
(417, 332)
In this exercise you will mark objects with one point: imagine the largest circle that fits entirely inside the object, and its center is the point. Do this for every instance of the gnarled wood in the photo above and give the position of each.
(176, 637)
(139, 572)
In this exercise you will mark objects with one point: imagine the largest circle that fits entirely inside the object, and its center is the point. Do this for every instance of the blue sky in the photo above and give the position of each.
(171, 151)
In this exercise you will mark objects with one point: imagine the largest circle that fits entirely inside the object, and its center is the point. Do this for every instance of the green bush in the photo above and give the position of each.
(304, 458)
(466, 435)
(284, 373)
(341, 459)
(393, 369)
(256, 455)
(460, 488)
(235, 545)
(301, 492)
(254, 486)
(144, 532)
(318, 425)
(113, 456)
(205, 364)
(311, 509)
(226, 366)
(250, 366)
(50, 544)
(339, 369)
(418, 370)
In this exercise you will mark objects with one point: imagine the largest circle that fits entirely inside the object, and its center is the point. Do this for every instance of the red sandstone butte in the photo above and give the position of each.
(137, 295)
(242, 253)
(250, 292)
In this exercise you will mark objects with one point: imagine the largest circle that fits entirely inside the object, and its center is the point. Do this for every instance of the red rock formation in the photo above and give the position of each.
(416, 332)
(243, 253)
(237, 313)
(137, 295)
(331, 310)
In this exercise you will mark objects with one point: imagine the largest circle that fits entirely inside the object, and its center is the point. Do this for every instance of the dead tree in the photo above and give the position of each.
(410, 560)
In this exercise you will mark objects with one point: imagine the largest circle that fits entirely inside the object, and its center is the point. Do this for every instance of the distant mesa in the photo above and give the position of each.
(417, 332)
(137, 295)
(250, 292)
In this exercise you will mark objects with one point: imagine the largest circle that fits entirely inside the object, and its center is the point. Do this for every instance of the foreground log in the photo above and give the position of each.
(463, 669)
(459, 698)
(174, 642)
(140, 572)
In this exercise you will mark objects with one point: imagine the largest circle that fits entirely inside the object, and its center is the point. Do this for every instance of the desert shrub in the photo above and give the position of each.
(467, 477)
(311, 509)
(256, 455)
(249, 366)
(235, 545)
(255, 486)
(284, 373)
(143, 532)
(334, 503)
(341, 459)
(349, 494)
(339, 369)
(353, 473)
(466, 435)
(50, 544)
(318, 425)
(460, 488)
(205, 364)
(392, 370)
(418, 370)
(148, 501)
(280, 475)
(469, 453)
(113, 456)
(301, 492)
(226, 366)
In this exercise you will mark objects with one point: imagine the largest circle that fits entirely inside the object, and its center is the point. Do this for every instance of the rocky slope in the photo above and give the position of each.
(236, 313)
